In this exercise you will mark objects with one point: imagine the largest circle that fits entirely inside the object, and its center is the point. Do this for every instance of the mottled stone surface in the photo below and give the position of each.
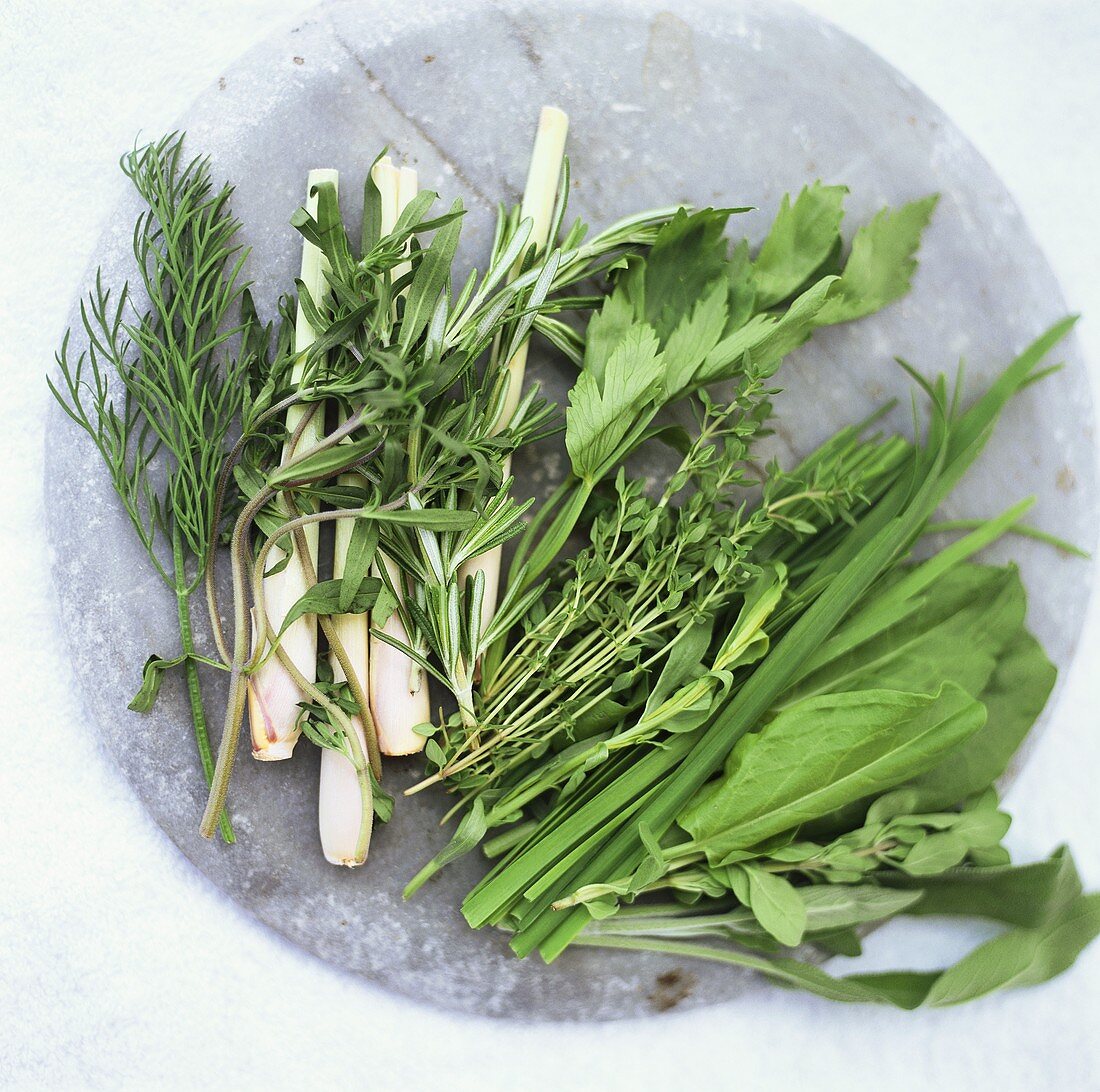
(732, 104)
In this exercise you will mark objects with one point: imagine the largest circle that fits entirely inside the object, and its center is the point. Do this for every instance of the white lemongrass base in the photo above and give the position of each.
(399, 696)
(340, 804)
(273, 696)
(340, 809)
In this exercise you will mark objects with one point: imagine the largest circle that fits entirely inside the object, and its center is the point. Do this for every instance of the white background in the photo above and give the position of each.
(121, 967)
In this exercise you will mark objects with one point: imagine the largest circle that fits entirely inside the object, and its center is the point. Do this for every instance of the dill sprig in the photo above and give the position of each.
(160, 383)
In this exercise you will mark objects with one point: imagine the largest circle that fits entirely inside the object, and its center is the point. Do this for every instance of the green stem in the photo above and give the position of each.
(238, 693)
(1022, 529)
(194, 694)
(351, 676)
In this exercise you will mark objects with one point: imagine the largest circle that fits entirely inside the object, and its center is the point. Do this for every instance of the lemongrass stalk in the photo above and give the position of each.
(407, 185)
(399, 697)
(539, 197)
(345, 831)
(273, 695)
(343, 795)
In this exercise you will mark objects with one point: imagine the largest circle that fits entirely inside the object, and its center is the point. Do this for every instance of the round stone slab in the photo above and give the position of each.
(724, 104)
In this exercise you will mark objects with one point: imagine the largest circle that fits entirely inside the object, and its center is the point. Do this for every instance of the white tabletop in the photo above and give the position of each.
(121, 967)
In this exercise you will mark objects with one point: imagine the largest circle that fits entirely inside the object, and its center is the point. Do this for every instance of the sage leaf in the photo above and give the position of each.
(934, 853)
(821, 754)
(1024, 895)
(1021, 957)
(776, 905)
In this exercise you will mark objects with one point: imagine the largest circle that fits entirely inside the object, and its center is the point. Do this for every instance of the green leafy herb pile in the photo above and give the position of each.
(739, 719)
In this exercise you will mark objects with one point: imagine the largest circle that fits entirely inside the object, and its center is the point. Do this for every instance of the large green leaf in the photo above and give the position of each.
(961, 626)
(693, 338)
(687, 258)
(606, 329)
(1014, 696)
(821, 754)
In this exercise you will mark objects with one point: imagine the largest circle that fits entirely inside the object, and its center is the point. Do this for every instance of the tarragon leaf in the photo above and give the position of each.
(433, 271)
(325, 598)
(152, 675)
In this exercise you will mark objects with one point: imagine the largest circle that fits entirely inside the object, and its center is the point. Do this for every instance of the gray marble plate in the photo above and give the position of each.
(730, 103)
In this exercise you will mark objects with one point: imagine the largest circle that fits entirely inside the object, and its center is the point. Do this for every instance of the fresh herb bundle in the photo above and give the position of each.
(417, 464)
(739, 721)
(855, 702)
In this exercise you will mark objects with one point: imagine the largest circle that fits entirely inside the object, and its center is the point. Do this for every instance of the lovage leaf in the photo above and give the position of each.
(882, 262)
(802, 237)
(688, 256)
(602, 415)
